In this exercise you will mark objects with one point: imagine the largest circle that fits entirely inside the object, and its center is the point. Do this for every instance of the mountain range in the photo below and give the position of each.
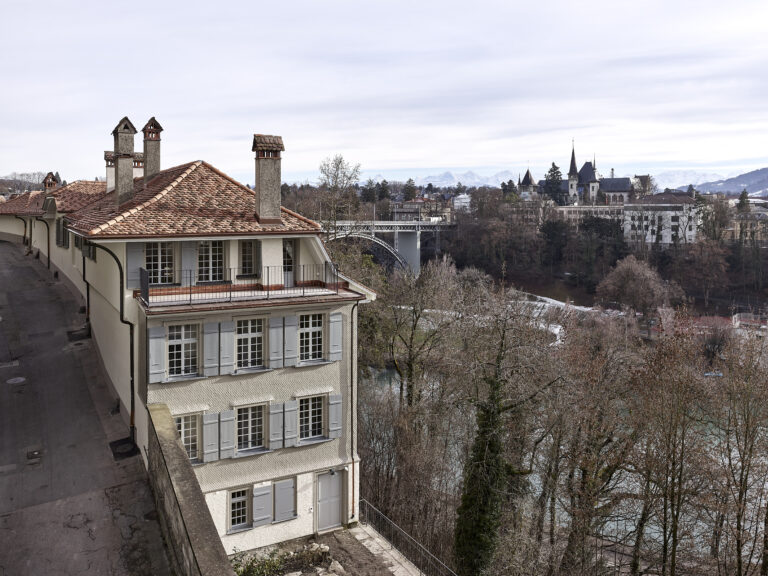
(755, 182)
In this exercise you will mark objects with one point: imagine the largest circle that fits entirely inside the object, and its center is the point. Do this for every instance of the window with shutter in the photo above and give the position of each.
(240, 509)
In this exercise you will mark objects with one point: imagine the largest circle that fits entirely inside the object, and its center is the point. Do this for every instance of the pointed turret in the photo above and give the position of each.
(573, 171)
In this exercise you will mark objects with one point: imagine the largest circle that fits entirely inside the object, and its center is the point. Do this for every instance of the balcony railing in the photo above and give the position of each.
(174, 287)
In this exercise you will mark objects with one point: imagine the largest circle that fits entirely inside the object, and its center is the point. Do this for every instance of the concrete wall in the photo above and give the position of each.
(11, 228)
(189, 531)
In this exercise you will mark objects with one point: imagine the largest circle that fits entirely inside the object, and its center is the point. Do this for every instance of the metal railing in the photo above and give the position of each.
(172, 286)
(423, 559)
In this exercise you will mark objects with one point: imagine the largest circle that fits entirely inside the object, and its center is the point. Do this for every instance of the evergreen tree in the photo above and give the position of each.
(409, 190)
(382, 190)
(743, 205)
(552, 185)
(368, 193)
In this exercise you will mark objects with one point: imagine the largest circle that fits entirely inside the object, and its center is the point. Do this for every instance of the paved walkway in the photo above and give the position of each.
(379, 547)
(66, 506)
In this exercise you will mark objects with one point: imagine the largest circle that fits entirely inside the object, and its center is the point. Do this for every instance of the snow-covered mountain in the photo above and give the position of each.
(682, 178)
(468, 178)
(756, 183)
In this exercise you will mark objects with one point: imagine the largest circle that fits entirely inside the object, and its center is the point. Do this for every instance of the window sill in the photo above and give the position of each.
(313, 441)
(252, 370)
(308, 363)
(253, 276)
(183, 378)
(239, 529)
(251, 452)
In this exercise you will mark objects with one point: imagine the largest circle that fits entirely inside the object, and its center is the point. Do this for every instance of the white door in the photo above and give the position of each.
(329, 489)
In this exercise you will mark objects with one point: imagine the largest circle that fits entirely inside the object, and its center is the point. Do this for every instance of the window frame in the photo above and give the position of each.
(210, 266)
(250, 264)
(164, 272)
(250, 336)
(264, 447)
(197, 419)
(323, 423)
(247, 499)
(189, 373)
(314, 355)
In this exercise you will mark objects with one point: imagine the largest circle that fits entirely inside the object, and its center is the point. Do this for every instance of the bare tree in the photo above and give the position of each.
(338, 179)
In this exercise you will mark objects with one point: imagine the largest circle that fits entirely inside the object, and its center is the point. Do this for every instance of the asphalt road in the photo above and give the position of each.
(66, 506)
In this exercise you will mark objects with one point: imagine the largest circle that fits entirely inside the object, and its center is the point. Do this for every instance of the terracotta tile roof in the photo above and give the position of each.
(26, 204)
(75, 196)
(190, 200)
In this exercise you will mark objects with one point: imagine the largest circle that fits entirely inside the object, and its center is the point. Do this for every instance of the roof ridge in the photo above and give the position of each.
(155, 198)
(300, 217)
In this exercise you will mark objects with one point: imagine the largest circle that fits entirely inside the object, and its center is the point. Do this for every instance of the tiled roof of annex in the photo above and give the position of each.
(77, 195)
(26, 204)
(190, 200)
(68, 198)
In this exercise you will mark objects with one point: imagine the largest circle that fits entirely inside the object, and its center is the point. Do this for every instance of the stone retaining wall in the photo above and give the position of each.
(194, 545)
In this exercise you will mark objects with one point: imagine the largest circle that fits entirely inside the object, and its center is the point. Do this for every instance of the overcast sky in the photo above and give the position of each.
(402, 87)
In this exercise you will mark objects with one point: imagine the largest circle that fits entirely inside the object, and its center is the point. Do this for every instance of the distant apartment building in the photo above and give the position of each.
(664, 219)
(211, 298)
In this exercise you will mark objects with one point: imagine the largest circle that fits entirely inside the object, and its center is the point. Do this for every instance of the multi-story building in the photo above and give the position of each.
(210, 298)
(663, 219)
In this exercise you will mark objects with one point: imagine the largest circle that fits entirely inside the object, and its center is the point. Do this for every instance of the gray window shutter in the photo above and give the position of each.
(211, 349)
(275, 426)
(134, 259)
(210, 437)
(262, 506)
(188, 263)
(285, 499)
(156, 354)
(58, 232)
(291, 340)
(276, 342)
(227, 348)
(227, 434)
(291, 423)
(335, 337)
(335, 422)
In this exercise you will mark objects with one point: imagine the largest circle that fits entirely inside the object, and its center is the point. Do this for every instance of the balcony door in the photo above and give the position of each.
(289, 252)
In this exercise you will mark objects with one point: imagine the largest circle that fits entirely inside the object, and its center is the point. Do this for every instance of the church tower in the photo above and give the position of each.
(573, 175)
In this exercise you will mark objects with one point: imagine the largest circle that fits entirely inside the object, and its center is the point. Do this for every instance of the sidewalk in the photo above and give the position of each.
(67, 506)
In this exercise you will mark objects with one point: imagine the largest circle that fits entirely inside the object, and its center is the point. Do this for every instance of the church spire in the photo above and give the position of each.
(573, 171)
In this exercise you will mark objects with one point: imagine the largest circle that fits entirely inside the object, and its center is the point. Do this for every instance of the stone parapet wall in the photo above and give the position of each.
(194, 545)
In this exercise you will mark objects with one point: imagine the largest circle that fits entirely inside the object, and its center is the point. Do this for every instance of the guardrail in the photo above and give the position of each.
(426, 562)
(173, 287)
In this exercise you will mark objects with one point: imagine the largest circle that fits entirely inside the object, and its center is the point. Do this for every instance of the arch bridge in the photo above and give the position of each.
(406, 248)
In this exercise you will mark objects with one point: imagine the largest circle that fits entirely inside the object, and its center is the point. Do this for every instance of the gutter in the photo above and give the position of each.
(353, 400)
(48, 230)
(124, 321)
(24, 237)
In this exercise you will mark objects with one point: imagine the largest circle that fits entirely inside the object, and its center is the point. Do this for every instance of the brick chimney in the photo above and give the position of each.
(123, 159)
(151, 132)
(267, 183)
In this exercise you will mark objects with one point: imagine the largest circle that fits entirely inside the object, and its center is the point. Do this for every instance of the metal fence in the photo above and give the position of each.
(427, 563)
(170, 286)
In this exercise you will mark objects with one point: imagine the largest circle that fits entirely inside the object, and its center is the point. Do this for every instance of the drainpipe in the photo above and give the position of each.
(24, 237)
(48, 230)
(130, 326)
(353, 400)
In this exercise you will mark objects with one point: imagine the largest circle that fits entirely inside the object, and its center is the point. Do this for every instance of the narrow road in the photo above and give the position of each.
(67, 506)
